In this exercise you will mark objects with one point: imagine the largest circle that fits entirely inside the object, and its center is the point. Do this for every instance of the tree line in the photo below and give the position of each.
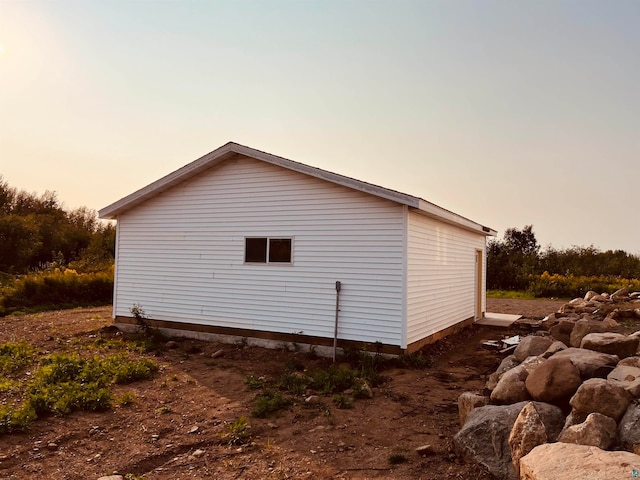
(513, 260)
(36, 232)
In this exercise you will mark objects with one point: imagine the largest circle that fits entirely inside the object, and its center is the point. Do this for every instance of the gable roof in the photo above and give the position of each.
(231, 149)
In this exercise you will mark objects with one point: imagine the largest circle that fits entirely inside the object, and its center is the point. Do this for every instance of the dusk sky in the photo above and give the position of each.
(507, 112)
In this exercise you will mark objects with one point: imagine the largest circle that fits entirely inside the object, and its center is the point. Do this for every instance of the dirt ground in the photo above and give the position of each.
(174, 429)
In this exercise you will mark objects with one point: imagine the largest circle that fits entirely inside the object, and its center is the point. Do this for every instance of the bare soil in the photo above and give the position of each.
(175, 428)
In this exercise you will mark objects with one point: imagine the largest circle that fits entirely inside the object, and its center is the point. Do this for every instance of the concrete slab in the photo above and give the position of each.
(498, 319)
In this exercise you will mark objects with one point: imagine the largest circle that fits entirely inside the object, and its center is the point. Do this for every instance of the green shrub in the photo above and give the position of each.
(127, 398)
(343, 401)
(255, 383)
(333, 379)
(16, 419)
(14, 356)
(65, 383)
(268, 402)
(571, 286)
(57, 289)
(397, 458)
(237, 432)
(295, 382)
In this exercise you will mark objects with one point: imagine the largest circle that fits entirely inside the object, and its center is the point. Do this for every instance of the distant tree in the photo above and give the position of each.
(35, 231)
(19, 243)
(511, 260)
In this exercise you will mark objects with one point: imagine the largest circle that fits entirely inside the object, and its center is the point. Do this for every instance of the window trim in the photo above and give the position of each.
(268, 243)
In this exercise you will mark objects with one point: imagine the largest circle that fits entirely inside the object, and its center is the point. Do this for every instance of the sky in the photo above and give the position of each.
(510, 113)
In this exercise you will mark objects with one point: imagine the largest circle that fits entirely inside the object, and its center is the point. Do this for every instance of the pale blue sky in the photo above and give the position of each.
(507, 112)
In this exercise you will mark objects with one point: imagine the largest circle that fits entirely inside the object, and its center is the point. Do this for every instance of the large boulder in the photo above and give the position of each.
(621, 295)
(528, 432)
(629, 428)
(611, 343)
(561, 331)
(628, 377)
(467, 402)
(531, 346)
(590, 364)
(566, 461)
(507, 363)
(597, 430)
(511, 386)
(484, 437)
(598, 395)
(554, 381)
(630, 362)
(554, 348)
(584, 327)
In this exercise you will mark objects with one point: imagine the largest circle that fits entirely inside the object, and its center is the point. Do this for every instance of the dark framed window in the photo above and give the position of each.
(267, 250)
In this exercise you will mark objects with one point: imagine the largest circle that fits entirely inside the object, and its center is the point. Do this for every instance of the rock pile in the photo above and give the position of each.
(569, 391)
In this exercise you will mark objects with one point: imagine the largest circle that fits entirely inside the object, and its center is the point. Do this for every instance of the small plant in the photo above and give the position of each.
(334, 379)
(14, 356)
(268, 402)
(163, 410)
(127, 398)
(397, 458)
(255, 383)
(343, 401)
(141, 318)
(295, 382)
(238, 432)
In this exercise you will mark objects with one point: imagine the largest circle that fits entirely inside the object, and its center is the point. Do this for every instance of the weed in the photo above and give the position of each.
(64, 383)
(397, 458)
(312, 354)
(268, 402)
(127, 398)
(343, 401)
(163, 410)
(238, 432)
(14, 356)
(295, 382)
(16, 419)
(133, 476)
(255, 383)
(334, 379)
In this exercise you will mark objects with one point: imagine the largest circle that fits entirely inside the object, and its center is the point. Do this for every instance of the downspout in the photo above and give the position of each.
(335, 329)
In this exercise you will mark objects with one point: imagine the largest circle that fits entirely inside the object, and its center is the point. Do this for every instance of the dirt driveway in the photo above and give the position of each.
(175, 427)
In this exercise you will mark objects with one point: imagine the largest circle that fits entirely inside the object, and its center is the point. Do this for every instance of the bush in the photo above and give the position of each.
(268, 402)
(571, 286)
(57, 289)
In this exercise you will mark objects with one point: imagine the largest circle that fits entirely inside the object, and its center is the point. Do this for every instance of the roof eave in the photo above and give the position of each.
(431, 210)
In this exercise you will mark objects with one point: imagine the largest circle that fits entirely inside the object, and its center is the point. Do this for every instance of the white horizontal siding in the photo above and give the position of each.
(181, 255)
(441, 275)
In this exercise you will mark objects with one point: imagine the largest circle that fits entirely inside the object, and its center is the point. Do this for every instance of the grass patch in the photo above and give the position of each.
(63, 383)
(510, 294)
(14, 356)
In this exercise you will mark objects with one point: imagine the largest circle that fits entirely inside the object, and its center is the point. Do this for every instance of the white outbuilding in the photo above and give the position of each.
(244, 244)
